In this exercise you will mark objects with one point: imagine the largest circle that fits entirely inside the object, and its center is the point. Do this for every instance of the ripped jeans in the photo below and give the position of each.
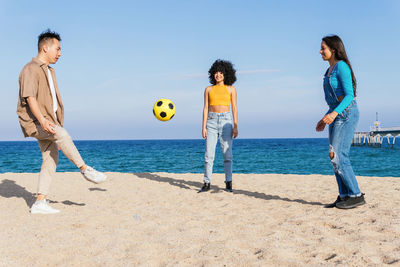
(341, 133)
(219, 127)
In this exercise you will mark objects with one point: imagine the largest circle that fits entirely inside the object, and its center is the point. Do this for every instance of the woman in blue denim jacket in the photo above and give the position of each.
(217, 120)
(342, 118)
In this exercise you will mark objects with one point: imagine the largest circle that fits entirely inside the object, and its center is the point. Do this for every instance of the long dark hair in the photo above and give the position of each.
(335, 43)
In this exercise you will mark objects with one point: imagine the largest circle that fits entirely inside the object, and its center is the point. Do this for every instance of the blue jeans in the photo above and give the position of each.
(341, 133)
(219, 127)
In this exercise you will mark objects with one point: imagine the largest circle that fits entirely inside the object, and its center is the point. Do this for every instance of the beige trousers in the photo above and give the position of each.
(49, 145)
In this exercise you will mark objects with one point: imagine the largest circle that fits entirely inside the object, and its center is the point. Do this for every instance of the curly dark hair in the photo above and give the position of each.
(46, 36)
(226, 68)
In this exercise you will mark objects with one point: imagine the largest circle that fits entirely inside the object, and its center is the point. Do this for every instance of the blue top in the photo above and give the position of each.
(338, 83)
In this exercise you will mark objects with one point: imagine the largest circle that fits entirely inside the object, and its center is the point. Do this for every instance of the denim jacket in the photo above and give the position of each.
(338, 83)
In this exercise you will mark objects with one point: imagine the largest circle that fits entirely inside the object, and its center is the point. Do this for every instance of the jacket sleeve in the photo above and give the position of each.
(28, 83)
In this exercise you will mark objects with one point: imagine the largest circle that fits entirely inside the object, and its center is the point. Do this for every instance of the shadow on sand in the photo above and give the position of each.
(97, 189)
(215, 189)
(9, 189)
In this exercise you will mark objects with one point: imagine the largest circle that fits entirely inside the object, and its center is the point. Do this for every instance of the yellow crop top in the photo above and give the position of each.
(219, 96)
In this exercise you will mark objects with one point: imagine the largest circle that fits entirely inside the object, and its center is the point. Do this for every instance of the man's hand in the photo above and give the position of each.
(48, 126)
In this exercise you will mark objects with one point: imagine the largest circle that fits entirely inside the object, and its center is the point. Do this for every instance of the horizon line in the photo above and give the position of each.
(173, 139)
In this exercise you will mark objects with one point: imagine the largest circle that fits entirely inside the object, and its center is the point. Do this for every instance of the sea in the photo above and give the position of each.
(283, 156)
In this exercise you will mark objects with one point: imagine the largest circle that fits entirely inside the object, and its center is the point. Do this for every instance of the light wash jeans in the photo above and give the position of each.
(219, 127)
(341, 133)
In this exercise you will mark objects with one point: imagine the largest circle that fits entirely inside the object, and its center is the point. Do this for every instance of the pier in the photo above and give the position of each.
(376, 135)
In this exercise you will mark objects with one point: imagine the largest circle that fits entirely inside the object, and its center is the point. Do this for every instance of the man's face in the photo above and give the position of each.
(53, 51)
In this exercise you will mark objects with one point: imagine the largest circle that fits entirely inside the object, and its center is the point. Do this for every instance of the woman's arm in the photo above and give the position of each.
(234, 112)
(205, 113)
(344, 77)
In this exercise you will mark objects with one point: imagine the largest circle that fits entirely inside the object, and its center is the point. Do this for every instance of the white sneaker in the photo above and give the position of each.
(94, 176)
(42, 207)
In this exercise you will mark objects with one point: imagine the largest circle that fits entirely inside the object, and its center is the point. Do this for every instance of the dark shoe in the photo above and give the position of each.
(228, 186)
(206, 187)
(351, 202)
(332, 205)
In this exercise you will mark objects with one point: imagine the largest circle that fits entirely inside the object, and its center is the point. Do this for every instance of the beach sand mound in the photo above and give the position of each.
(159, 219)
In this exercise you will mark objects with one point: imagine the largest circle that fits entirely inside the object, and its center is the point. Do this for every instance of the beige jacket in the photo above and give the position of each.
(33, 81)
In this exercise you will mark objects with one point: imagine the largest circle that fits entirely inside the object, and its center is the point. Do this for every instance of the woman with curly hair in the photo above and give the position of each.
(217, 119)
(342, 118)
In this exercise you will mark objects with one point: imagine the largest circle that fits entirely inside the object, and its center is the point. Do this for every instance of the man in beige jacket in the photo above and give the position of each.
(41, 115)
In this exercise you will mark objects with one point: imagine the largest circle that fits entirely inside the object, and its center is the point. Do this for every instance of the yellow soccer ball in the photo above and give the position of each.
(164, 109)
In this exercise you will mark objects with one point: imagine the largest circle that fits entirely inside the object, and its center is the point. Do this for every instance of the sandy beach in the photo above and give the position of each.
(159, 219)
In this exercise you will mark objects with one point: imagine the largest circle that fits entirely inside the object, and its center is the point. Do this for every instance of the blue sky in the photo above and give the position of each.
(119, 57)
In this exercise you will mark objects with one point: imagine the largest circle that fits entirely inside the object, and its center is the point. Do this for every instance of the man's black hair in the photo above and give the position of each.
(46, 36)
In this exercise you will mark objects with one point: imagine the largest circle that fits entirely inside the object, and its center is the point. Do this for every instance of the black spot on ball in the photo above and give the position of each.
(159, 103)
(171, 106)
(172, 116)
(163, 114)
(154, 112)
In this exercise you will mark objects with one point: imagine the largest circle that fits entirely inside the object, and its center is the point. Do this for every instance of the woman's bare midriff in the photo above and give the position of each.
(219, 109)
